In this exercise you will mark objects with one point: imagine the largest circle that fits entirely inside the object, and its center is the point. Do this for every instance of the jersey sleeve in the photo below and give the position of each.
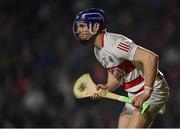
(124, 48)
(96, 53)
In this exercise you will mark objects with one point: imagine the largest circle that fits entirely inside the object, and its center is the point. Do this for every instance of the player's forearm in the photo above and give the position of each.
(150, 71)
(150, 64)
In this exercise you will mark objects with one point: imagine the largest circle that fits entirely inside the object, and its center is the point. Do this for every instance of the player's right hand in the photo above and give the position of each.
(96, 95)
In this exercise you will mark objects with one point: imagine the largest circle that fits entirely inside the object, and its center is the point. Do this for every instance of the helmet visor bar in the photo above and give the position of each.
(75, 30)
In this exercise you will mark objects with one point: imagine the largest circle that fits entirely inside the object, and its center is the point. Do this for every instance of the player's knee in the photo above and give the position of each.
(123, 121)
(140, 120)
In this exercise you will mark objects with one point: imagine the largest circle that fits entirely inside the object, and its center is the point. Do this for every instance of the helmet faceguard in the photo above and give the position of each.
(90, 17)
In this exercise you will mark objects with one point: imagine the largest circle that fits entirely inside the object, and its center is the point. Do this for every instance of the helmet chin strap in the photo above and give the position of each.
(90, 29)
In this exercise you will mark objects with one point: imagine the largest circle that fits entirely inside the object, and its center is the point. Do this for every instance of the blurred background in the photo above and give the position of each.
(40, 60)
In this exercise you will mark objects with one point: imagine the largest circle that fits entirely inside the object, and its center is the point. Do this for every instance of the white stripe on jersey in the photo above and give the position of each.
(132, 75)
(136, 88)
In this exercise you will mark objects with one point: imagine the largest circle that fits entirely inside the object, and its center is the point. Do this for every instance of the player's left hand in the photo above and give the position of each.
(138, 100)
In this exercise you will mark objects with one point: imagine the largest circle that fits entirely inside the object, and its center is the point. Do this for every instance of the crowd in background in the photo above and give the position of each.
(40, 60)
